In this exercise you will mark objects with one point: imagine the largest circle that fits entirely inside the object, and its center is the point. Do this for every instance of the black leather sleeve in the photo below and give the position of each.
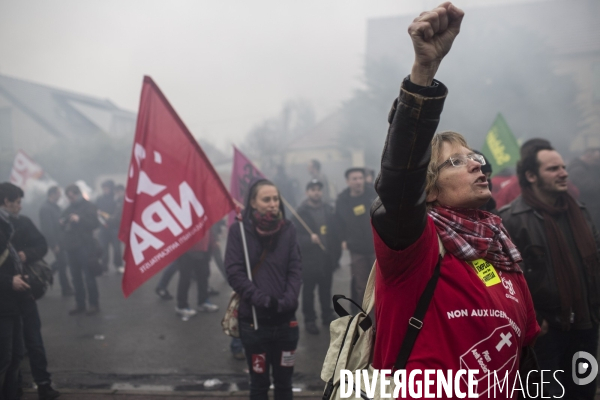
(399, 213)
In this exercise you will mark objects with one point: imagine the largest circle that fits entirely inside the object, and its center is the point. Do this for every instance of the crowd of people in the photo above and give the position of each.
(528, 253)
(81, 240)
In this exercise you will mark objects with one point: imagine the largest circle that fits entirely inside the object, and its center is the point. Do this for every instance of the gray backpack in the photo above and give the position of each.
(353, 337)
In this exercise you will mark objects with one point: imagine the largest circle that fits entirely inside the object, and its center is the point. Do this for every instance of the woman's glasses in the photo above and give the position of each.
(458, 160)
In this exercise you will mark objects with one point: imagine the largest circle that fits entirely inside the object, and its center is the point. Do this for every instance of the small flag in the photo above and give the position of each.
(173, 194)
(500, 147)
(243, 173)
(24, 168)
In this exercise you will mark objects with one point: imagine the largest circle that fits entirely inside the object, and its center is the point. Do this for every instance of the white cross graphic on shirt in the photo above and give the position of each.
(505, 340)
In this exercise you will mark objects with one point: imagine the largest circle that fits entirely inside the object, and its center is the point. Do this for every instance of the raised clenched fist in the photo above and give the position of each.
(432, 34)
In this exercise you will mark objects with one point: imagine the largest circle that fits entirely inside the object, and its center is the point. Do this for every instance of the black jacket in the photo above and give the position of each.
(9, 299)
(400, 213)
(312, 254)
(77, 234)
(50, 223)
(353, 220)
(107, 203)
(28, 239)
(526, 229)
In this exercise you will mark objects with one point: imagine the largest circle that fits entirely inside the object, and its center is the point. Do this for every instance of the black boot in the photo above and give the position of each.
(45, 392)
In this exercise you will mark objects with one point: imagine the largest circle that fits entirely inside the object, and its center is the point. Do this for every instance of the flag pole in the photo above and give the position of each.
(248, 269)
(301, 220)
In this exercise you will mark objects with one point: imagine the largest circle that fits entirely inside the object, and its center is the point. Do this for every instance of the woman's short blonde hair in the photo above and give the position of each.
(454, 139)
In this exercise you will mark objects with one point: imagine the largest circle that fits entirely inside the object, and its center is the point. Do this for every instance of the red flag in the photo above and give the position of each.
(173, 193)
(242, 174)
(24, 168)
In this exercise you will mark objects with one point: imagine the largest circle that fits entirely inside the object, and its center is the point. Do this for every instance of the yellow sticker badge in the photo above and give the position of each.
(486, 272)
(359, 210)
(323, 230)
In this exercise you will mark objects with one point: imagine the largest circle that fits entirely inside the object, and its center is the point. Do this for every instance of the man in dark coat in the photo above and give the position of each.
(320, 253)
(354, 226)
(51, 229)
(79, 221)
(559, 244)
(12, 288)
(31, 247)
(109, 231)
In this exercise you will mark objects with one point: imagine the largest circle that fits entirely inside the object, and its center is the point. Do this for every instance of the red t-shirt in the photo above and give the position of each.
(468, 325)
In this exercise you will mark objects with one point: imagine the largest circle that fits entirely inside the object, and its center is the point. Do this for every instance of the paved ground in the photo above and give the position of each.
(138, 349)
(140, 343)
(92, 394)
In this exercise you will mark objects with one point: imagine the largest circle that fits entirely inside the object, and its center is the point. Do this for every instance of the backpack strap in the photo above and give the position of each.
(369, 297)
(4, 256)
(415, 323)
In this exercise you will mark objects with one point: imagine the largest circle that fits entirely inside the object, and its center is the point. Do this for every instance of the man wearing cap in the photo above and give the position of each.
(354, 226)
(320, 253)
(314, 169)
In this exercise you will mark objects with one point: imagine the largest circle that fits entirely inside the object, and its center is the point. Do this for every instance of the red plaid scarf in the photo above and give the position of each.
(471, 234)
(267, 224)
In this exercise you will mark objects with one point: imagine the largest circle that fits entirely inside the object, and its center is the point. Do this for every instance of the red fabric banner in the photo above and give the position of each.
(23, 169)
(242, 174)
(173, 193)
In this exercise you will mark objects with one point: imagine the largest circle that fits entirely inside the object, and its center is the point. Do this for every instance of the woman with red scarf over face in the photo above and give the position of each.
(481, 316)
(273, 291)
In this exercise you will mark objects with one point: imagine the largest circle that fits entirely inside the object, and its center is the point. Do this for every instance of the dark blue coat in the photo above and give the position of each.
(279, 275)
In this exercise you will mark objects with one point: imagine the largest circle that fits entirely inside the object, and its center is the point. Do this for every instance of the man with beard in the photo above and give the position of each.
(79, 221)
(559, 244)
(320, 253)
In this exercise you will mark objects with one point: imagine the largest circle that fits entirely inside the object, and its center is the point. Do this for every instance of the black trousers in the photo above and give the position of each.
(110, 238)
(61, 264)
(270, 349)
(32, 337)
(191, 267)
(11, 354)
(316, 276)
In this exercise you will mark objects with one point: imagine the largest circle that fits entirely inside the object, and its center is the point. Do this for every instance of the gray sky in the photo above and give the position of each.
(224, 65)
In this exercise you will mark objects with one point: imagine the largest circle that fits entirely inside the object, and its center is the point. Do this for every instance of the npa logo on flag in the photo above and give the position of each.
(173, 193)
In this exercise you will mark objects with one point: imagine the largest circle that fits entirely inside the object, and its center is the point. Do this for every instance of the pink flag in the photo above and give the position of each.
(242, 174)
(23, 169)
(173, 193)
